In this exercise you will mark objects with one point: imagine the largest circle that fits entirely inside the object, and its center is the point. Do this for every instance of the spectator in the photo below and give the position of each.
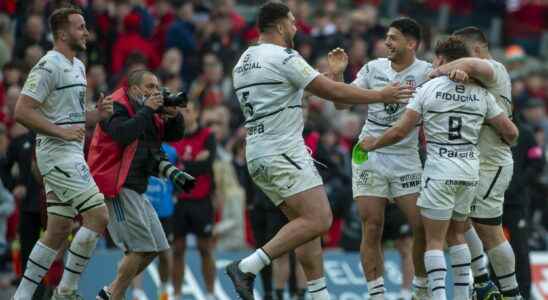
(131, 41)
(33, 33)
(96, 83)
(223, 42)
(534, 114)
(27, 187)
(12, 74)
(194, 211)
(162, 11)
(357, 57)
(181, 35)
(527, 166)
(210, 88)
(6, 40)
(33, 54)
(226, 7)
(229, 195)
(172, 62)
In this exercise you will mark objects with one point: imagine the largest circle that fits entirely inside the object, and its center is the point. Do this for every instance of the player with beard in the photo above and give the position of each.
(52, 103)
(453, 115)
(496, 169)
(392, 173)
(269, 81)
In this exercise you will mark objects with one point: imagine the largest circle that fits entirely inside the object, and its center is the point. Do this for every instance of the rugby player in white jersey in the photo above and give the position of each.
(453, 115)
(269, 81)
(496, 169)
(52, 103)
(391, 173)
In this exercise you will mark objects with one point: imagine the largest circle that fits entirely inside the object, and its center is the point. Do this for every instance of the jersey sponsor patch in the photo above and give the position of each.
(391, 108)
(32, 82)
(306, 70)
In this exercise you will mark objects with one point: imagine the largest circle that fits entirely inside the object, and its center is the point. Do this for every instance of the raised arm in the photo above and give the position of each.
(476, 68)
(337, 61)
(405, 124)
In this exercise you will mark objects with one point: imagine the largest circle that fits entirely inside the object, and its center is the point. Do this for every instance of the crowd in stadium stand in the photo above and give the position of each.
(193, 45)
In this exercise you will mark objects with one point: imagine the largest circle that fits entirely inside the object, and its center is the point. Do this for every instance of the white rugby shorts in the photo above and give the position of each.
(284, 175)
(387, 175)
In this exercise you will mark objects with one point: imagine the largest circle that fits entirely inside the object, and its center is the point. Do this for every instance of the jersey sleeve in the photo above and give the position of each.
(362, 78)
(493, 109)
(416, 103)
(499, 73)
(41, 81)
(297, 70)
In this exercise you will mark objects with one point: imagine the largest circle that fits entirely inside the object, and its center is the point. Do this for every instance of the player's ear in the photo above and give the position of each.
(477, 50)
(280, 28)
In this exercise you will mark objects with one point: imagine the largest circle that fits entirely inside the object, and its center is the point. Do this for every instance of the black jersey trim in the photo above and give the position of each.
(258, 83)
(69, 86)
(449, 144)
(70, 122)
(379, 124)
(455, 112)
(493, 183)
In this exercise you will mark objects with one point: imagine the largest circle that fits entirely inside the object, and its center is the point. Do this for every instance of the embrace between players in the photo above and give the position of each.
(463, 104)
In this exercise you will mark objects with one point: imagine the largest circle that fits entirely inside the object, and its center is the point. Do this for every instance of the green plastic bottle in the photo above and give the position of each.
(358, 155)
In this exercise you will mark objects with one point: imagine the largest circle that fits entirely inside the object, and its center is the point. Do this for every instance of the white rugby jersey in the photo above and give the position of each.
(493, 150)
(269, 82)
(376, 74)
(453, 115)
(60, 86)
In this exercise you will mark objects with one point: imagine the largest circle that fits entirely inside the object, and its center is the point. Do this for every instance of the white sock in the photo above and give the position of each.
(479, 261)
(318, 289)
(210, 296)
(420, 284)
(78, 257)
(434, 261)
(139, 293)
(460, 264)
(40, 260)
(405, 294)
(503, 260)
(375, 288)
(255, 262)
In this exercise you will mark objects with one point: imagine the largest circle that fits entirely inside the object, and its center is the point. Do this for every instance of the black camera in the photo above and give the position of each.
(170, 99)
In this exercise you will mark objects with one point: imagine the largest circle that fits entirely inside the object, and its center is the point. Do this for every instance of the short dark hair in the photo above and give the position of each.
(270, 13)
(471, 34)
(452, 48)
(408, 27)
(59, 19)
(136, 77)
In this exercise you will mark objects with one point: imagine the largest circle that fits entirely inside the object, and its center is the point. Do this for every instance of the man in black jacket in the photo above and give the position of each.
(528, 165)
(139, 123)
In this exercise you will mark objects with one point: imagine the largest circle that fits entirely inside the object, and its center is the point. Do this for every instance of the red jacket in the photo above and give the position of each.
(129, 43)
(109, 161)
(187, 149)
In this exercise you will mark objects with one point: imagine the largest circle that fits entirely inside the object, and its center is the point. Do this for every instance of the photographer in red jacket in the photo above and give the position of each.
(124, 152)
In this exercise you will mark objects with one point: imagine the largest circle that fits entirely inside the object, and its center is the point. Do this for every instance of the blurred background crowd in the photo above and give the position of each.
(193, 45)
